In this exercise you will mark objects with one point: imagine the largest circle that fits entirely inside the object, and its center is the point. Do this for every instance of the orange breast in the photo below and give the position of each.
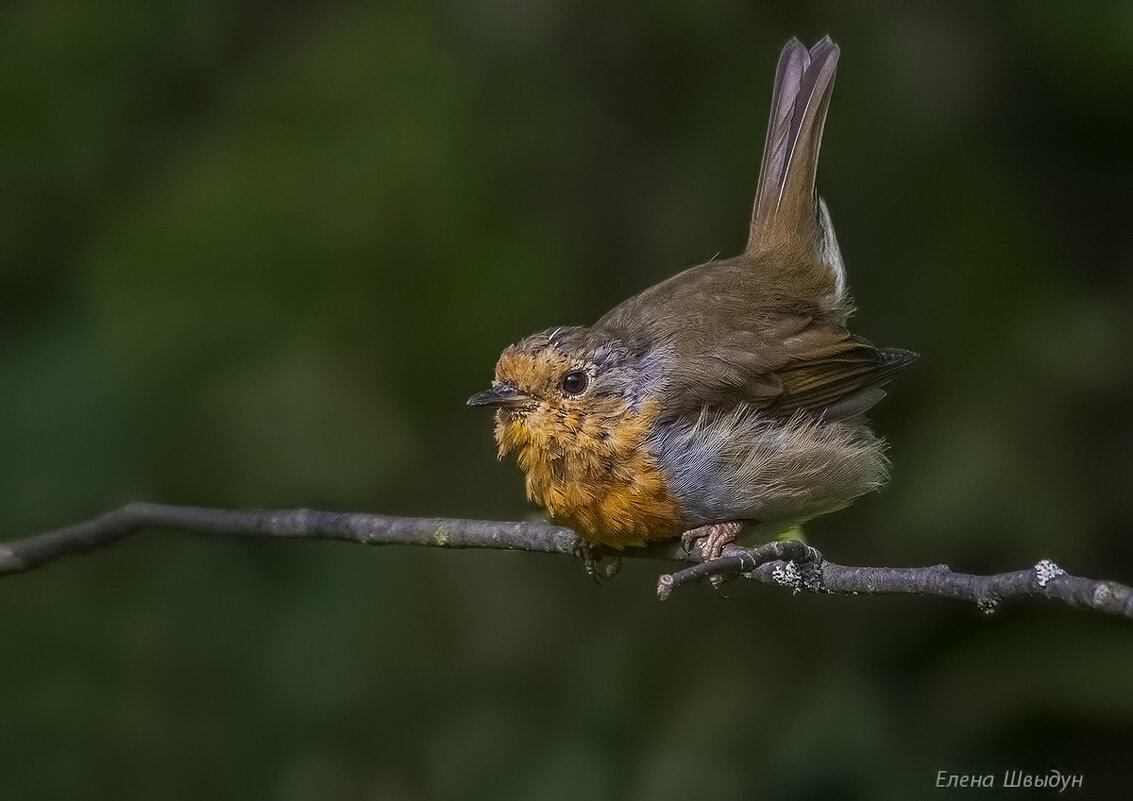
(592, 471)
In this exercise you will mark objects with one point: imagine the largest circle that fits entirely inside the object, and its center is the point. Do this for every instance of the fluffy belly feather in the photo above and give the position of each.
(626, 504)
(594, 473)
(740, 465)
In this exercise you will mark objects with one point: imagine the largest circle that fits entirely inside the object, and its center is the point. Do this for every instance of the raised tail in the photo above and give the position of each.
(789, 220)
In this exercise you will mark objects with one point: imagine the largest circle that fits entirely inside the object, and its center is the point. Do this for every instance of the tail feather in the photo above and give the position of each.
(788, 76)
(785, 201)
(787, 214)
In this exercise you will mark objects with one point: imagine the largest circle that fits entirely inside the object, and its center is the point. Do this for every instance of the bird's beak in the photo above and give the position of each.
(500, 395)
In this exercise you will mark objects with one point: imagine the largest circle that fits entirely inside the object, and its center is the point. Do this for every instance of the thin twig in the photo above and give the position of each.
(788, 563)
(736, 560)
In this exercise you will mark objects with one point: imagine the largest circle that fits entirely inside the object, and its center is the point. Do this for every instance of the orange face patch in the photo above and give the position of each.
(537, 373)
(585, 458)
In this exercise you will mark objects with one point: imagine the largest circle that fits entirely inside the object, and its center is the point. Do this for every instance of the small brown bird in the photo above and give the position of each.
(731, 394)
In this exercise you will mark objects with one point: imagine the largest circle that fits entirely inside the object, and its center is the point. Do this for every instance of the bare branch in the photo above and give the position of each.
(789, 563)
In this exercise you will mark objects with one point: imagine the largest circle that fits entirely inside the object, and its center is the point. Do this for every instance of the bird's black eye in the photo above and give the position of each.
(574, 382)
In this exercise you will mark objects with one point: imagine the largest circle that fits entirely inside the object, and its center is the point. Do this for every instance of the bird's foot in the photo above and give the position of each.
(712, 539)
(592, 556)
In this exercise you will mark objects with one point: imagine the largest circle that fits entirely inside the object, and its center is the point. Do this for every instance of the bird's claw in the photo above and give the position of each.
(713, 538)
(592, 560)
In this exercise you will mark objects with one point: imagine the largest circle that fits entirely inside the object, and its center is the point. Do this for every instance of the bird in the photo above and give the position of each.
(727, 399)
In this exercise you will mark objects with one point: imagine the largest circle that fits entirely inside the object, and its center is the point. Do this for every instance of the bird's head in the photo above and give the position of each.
(562, 391)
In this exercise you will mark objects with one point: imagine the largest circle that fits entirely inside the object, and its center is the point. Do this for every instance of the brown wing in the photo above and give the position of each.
(723, 337)
(788, 364)
(841, 384)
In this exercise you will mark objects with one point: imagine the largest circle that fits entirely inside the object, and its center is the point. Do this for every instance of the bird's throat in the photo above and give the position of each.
(592, 470)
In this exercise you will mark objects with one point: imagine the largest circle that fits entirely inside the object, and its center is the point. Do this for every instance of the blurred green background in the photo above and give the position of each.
(258, 254)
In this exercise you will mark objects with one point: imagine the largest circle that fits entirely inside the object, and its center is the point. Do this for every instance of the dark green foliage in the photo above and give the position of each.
(259, 255)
